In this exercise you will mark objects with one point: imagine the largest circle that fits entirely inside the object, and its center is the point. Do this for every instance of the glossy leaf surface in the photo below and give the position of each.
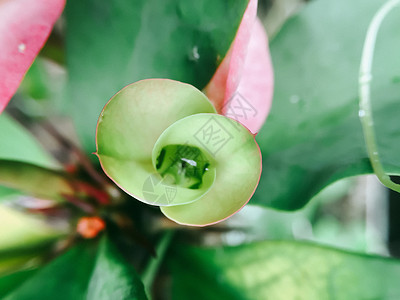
(313, 134)
(282, 270)
(85, 273)
(112, 44)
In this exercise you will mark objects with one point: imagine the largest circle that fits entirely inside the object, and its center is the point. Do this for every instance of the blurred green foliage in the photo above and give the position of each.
(313, 135)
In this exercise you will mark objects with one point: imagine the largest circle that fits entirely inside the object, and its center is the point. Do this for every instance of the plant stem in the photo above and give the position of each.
(150, 273)
(365, 77)
(82, 158)
(63, 141)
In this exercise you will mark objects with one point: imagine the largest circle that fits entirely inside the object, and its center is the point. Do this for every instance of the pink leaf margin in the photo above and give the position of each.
(242, 86)
(24, 28)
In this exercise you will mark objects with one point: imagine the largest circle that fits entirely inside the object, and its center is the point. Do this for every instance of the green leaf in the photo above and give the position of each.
(113, 278)
(22, 230)
(112, 44)
(24, 240)
(313, 135)
(42, 91)
(131, 123)
(5, 193)
(33, 180)
(11, 262)
(35, 83)
(10, 282)
(67, 277)
(84, 273)
(282, 270)
(236, 160)
(162, 142)
(18, 144)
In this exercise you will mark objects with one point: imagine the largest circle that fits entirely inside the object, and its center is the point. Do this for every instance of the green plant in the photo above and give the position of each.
(80, 217)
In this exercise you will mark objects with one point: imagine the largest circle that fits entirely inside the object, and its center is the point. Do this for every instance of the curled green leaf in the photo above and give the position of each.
(236, 161)
(162, 142)
(130, 125)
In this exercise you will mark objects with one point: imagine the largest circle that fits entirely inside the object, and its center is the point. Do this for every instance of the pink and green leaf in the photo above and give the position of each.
(24, 28)
(245, 75)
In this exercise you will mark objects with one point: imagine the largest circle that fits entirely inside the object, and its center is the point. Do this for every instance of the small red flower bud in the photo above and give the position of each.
(90, 227)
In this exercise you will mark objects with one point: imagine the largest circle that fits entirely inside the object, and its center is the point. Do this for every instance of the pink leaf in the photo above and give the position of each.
(242, 86)
(24, 28)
